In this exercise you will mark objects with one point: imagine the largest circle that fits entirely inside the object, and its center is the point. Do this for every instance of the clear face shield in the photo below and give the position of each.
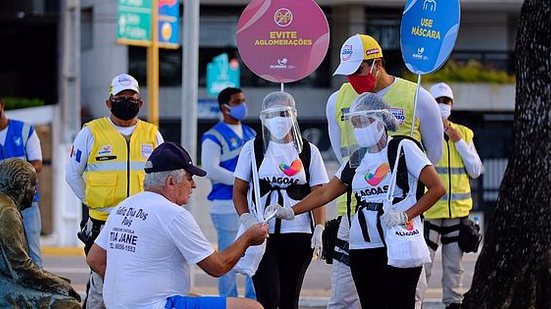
(279, 125)
(369, 132)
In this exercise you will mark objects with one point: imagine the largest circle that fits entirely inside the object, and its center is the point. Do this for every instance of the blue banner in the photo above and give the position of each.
(169, 23)
(428, 32)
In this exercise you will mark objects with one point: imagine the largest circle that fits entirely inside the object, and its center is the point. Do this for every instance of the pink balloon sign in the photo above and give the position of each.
(282, 40)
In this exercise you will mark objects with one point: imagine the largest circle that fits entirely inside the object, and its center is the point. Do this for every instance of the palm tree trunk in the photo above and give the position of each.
(514, 267)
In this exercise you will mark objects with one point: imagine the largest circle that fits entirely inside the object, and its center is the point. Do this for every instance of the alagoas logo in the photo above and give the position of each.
(410, 230)
(105, 150)
(380, 173)
(291, 170)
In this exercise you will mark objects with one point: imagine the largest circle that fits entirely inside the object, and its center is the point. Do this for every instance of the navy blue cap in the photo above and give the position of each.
(170, 156)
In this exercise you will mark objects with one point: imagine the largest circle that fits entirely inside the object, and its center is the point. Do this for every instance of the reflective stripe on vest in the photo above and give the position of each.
(114, 167)
(456, 196)
(457, 201)
(451, 170)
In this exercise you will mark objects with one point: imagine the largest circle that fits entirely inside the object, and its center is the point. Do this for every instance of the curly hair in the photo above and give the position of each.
(16, 178)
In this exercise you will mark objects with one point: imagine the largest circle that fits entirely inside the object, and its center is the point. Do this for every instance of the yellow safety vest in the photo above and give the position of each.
(114, 169)
(457, 202)
(400, 97)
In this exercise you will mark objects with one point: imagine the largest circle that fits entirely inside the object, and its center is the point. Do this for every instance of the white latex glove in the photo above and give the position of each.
(281, 212)
(316, 242)
(392, 218)
(248, 220)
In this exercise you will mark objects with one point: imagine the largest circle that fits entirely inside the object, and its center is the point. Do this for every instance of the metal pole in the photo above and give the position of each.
(65, 205)
(153, 68)
(190, 69)
(415, 104)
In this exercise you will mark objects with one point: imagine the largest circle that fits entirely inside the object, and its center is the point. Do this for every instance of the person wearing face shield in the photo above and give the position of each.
(289, 168)
(362, 62)
(220, 149)
(444, 220)
(22, 283)
(106, 164)
(367, 176)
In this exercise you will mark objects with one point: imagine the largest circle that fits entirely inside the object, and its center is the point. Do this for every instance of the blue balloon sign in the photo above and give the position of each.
(428, 32)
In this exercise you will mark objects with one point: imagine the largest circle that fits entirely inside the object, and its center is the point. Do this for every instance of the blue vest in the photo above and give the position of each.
(230, 146)
(16, 142)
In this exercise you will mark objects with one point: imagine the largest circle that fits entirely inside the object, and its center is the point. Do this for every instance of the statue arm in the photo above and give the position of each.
(19, 264)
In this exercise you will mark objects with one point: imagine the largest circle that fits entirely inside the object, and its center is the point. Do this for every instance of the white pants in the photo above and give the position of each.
(452, 266)
(343, 290)
(94, 299)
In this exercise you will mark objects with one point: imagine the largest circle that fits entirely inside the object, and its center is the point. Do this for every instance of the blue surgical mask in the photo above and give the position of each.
(238, 112)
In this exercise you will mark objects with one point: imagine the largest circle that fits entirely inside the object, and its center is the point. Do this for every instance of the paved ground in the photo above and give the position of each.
(315, 291)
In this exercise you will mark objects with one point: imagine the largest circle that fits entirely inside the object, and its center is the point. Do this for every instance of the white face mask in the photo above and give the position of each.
(445, 110)
(370, 135)
(279, 126)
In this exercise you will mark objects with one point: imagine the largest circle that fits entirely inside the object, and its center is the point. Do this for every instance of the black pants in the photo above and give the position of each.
(279, 277)
(381, 286)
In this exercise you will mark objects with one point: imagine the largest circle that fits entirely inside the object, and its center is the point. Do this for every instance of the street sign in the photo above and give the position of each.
(135, 18)
(282, 40)
(428, 32)
(221, 74)
(169, 24)
(134, 22)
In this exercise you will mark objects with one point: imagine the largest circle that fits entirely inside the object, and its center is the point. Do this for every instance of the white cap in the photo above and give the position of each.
(356, 49)
(441, 90)
(123, 82)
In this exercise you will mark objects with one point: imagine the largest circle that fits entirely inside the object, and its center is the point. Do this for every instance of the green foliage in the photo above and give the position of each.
(469, 72)
(15, 103)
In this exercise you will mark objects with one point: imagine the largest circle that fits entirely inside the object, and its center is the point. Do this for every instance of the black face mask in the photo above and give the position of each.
(124, 109)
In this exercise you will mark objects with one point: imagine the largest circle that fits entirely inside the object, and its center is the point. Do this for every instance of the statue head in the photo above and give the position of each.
(18, 180)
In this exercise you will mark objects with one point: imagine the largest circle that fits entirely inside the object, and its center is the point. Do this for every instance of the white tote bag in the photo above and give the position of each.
(249, 262)
(406, 246)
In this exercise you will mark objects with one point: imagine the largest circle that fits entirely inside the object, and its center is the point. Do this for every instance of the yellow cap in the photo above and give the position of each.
(372, 49)
(356, 49)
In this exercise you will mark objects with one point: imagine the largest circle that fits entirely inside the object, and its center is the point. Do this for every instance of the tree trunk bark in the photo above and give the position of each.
(514, 267)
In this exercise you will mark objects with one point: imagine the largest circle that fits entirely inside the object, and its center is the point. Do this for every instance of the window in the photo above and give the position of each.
(86, 28)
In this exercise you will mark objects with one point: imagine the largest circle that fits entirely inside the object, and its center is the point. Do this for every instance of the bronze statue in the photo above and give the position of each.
(22, 283)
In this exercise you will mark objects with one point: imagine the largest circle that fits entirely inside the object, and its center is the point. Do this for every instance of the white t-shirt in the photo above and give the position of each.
(32, 149)
(371, 182)
(428, 115)
(282, 167)
(84, 141)
(150, 243)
